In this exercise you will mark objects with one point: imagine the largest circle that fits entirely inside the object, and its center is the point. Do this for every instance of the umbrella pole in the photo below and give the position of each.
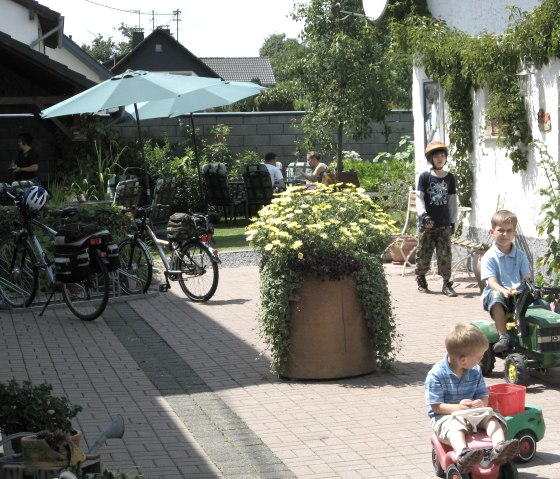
(196, 159)
(146, 176)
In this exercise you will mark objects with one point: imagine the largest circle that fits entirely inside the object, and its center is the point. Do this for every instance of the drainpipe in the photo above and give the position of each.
(59, 28)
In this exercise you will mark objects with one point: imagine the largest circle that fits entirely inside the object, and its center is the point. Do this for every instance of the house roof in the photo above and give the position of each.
(48, 19)
(85, 58)
(242, 69)
(159, 51)
(31, 80)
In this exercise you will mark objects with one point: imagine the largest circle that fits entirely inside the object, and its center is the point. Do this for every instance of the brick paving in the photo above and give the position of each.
(200, 402)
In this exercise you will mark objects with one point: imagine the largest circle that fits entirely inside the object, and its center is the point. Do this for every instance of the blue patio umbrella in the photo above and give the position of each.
(214, 95)
(129, 89)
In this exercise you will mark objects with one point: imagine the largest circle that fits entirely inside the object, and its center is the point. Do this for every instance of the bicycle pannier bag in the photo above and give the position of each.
(109, 251)
(180, 227)
(71, 251)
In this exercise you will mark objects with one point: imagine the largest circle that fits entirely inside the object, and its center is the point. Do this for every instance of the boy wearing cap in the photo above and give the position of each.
(436, 203)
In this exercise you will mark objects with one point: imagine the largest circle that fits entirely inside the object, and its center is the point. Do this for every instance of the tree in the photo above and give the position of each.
(103, 50)
(344, 79)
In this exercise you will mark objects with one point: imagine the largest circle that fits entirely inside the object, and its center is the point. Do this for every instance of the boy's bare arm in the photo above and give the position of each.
(496, 286)
(447, 408)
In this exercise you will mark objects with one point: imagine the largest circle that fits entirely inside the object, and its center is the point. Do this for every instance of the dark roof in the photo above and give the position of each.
(33, 80)
(159, 51)
(48, 19)
(243, 69)
(85, 58)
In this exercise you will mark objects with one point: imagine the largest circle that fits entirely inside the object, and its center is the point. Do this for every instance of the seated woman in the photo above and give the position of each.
(314, 161)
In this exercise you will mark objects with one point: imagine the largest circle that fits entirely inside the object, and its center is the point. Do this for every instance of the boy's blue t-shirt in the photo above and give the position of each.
(508, 269)
(435, 192)
(444, 386)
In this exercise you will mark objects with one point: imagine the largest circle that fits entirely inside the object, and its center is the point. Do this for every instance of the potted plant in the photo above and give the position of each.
(25, 407)
(320, 255)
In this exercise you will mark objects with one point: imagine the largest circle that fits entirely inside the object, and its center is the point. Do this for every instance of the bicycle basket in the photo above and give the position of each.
(181, 227)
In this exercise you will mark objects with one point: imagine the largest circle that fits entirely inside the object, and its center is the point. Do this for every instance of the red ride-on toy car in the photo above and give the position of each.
(444, 457)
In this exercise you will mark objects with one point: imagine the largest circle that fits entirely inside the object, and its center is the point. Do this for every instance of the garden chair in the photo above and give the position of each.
(127, 193)
(220, 193)
(405, 242)
(114, 180)
(164, 194)
(258, 186)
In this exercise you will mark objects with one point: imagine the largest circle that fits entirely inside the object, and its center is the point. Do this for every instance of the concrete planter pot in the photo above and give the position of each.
(328, 334)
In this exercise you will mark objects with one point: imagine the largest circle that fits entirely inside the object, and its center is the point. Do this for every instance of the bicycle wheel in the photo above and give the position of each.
(19, 277)
(199, 272)
(135, 271)
(88, 298)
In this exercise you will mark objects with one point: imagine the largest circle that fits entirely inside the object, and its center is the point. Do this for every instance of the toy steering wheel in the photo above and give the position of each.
(473, 416)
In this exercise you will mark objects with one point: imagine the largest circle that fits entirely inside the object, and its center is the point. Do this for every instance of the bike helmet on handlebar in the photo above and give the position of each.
(34, 200)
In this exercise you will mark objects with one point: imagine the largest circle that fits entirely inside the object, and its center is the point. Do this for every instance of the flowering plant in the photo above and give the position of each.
(332, 232)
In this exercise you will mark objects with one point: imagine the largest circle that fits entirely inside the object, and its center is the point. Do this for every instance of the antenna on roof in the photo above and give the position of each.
(176, 19)
(373, 9)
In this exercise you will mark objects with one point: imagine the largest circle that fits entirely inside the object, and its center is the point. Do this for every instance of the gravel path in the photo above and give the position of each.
(236, 259)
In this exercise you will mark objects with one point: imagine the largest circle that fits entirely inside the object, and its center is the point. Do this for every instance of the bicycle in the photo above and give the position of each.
(22, 257)
(193, 262)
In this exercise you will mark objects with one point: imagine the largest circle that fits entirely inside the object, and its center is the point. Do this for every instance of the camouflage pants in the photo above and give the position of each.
(438, 239)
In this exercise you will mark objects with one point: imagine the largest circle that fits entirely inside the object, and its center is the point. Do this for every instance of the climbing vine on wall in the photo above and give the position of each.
(463, 64)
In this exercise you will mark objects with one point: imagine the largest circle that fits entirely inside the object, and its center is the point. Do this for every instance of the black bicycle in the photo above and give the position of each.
(193, 262)
(22, 257)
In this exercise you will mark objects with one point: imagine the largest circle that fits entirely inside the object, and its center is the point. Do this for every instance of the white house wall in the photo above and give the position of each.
(476, 16)
(66, 58)
(15, 22)
(494, 181)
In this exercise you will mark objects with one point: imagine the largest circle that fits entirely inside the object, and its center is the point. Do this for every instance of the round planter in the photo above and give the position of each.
(407, 245)
(328, 334)
(476, 261)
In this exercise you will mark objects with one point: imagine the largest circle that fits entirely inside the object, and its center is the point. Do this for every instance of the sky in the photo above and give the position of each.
(208, 28)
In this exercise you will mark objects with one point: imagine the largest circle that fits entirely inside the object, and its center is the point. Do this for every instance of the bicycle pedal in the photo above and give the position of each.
(163, 288)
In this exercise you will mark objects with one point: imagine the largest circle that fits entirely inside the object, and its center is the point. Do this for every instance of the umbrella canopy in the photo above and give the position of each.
(127, 89)
(210, 96)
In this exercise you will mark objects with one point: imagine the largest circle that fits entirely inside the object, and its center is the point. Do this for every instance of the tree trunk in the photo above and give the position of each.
(339, 165)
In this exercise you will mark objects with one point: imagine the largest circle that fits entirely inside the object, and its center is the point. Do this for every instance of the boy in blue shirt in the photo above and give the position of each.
(456, 384)
(504, 267)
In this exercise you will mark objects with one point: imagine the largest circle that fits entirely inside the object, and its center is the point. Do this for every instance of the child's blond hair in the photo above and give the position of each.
(502, 217)
(465, 340)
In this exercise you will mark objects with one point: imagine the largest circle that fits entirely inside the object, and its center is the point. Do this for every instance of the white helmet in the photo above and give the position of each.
(34, 200)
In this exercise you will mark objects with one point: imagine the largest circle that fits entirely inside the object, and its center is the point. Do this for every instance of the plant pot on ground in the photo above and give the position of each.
(25, 407)
(331, 233)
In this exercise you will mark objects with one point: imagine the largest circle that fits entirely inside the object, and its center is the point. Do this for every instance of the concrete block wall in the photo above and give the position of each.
(274, 131)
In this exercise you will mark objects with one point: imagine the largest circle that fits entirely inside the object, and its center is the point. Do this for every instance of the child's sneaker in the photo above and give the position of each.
(502, 345)
(468, 459)
(504, 452)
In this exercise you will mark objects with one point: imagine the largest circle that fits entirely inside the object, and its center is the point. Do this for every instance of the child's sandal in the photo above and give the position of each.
(468, 459)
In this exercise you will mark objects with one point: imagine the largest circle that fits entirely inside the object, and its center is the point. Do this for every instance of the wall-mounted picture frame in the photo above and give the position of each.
(434, 119)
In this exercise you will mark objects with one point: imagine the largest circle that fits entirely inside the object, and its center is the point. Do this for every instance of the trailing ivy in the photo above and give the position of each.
(462, 64)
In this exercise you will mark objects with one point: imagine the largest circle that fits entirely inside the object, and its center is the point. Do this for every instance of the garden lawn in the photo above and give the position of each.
(231, 236)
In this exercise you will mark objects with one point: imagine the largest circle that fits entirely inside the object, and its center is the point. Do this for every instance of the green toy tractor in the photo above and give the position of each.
(534, 337)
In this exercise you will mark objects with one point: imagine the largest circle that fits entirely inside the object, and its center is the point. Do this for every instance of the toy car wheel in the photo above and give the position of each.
(437, 466)
(516, 370)
(453, 473)
(527, 446)
(508, 471)
(488, 360)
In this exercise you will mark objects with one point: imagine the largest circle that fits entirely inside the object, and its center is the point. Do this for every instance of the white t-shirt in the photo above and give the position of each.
(275, 174)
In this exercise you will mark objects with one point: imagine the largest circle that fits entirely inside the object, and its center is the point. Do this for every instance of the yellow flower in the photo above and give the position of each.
(297, 244)
(300, 255)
